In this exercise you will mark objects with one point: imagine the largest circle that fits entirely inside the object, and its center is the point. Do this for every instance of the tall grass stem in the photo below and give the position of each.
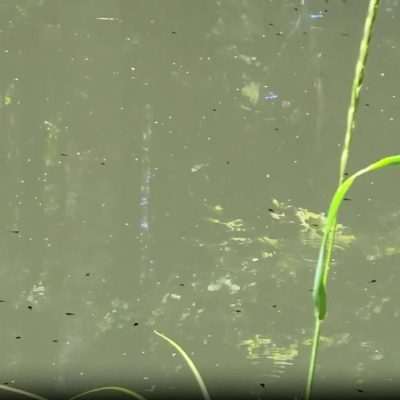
(321, 274)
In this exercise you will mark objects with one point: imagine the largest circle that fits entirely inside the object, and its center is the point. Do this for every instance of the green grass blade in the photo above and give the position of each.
(322, 270)
(128, 392)
(321, 273)
(190, 363)
(22, 392)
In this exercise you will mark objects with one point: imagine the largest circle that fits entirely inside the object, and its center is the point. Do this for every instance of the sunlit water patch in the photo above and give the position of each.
(283, 352)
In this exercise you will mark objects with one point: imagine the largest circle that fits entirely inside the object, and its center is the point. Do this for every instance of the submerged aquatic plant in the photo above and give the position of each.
(323, 263)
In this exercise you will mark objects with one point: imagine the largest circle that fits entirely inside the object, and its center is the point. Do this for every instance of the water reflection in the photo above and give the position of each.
(254, 264)
(144, 196)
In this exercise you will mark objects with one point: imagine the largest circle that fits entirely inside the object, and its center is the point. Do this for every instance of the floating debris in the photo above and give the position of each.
(198, 167)
(107, 19)
(271, 96)
(317, 15)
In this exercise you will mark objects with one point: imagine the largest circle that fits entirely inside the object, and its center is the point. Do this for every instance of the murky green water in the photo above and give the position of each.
(166, 165)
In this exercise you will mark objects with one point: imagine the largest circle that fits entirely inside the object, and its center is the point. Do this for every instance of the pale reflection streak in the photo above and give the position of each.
(144, 196)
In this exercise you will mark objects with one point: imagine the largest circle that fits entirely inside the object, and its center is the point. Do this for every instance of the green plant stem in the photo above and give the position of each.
(357, 84)
(321, 273)
(314, 349)
(329, 237)
(128, 392)
(22, 392)
(190, 363)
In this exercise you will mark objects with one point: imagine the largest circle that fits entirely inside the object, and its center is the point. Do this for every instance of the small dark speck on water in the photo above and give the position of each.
(87, 274)
(262, 385)
(238, 311)
(2, 301)
(366, 104)
(214, 109)
(360, 390)
(372, 281)
(315, 225)
(173, 32)
(347, 199)
(18, 337)
(346, 174)
(135, 323)
(103, 163)
(69, 313)
(271, 210)
(279, 33)
(6, 383)
(227, 162)
(274, 306)
(55, 340)
(64, 154)
(30, 307)
(16, 231)
(181, 284)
